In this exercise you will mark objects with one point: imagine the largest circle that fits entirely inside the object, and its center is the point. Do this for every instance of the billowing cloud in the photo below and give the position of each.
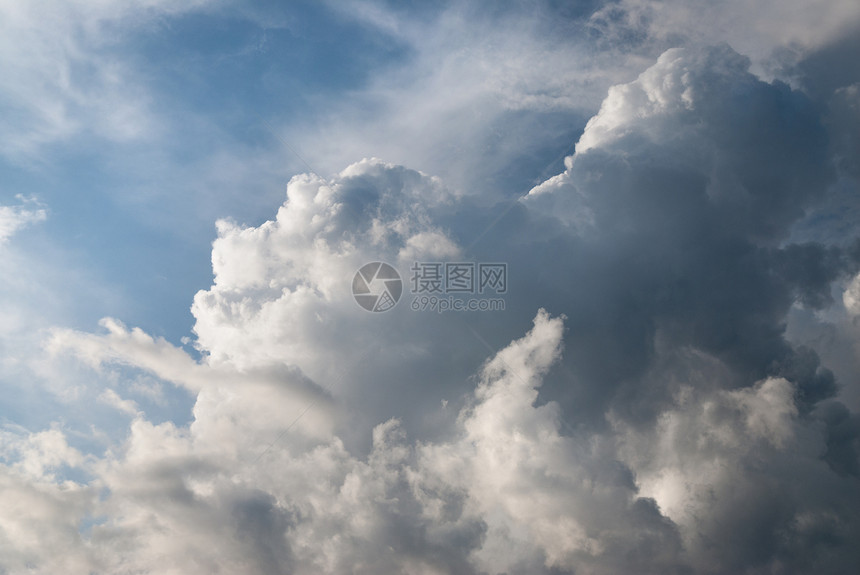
(742, 476)
(509, 489)
(654, 418)
(279, 291)
(683, 205)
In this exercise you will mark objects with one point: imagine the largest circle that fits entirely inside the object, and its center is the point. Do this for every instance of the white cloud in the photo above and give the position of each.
(549, 500)
(851, 296)
(726, 466)
(38, 455)
(14, 218)
(112, 398)
(658, 101)
(270, 395)
(39, 516)
(281, 291)
(186, 500)
(508, 490)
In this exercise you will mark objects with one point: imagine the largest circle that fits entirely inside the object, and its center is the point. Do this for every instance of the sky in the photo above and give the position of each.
(617, 330)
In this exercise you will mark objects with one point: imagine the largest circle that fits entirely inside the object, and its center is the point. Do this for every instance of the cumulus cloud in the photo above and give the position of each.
(549, 501)
(279, 294)
(654, 418)
(533, 68)
(704, 489)
(741, 475)
(689, 206)
(674, 196)
(493, 497)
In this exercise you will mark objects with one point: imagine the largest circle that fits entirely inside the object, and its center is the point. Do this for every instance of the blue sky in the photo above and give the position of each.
(187, 189)
(213, 82)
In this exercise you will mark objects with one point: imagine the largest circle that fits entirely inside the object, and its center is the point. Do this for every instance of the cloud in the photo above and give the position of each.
(59, 79)
(40, 509)
(509, 490)
(759, 30)
(654, 419)
(681, 208)
(490, 99)
(851, 296)
(550, 501)
(741, 474)
(681, 212)
(279, 294)
(40, 516)
(186, 500)
(469, 90)
(112, 398)
(14, 218)
(272, 394)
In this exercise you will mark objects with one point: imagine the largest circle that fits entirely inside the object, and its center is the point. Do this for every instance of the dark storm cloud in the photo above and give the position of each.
(691, 179)
(830, 76)
(699, 172)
